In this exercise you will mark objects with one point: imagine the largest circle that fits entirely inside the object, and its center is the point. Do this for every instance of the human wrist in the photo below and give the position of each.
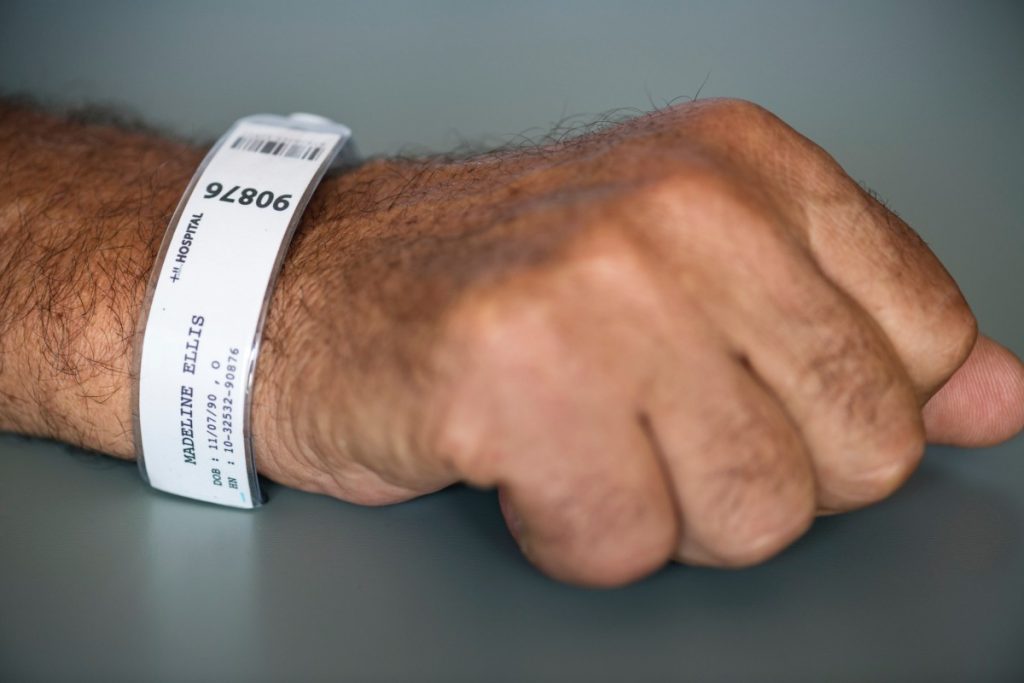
(83, 240)
(306, 397)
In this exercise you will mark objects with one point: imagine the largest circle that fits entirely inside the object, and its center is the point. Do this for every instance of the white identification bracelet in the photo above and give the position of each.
(199, 336)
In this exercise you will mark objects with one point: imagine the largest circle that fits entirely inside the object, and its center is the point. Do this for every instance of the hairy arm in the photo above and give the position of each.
(83, 209)
(677, 337)
(82, 212)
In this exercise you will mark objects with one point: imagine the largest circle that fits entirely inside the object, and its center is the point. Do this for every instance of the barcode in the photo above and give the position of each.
(278, 147)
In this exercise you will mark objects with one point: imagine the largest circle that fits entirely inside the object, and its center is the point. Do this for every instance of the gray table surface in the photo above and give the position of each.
(101, 579)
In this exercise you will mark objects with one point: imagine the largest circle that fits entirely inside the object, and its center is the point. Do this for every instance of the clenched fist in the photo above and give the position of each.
(680, 337)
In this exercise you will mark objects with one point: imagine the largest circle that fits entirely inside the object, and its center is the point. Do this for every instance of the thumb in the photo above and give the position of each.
(982, 403)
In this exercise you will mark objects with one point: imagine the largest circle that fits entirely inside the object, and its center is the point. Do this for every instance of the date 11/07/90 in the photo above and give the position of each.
(249, 196)
(220, 417)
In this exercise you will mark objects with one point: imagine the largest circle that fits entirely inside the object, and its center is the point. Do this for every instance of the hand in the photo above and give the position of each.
(683, 336)
(680, 337)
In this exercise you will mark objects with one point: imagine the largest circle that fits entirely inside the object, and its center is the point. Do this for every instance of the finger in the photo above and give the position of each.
(880, 262)
(982, 403)
(835, 373)
(589, 506)
(584, 495)
(742, 477)
(861, 246)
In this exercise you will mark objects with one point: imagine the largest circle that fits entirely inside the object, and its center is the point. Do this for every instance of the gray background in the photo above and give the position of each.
(102, 579)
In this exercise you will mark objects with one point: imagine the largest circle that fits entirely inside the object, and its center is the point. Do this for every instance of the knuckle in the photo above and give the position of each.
(678, 188)
(762, 500)
(698, 197)
(933, 325)
(958, 332)
(595, 531)
(763, 532)
(606, 259)
(867, 396)
(879, 474)
(898, 457)
(735, 113)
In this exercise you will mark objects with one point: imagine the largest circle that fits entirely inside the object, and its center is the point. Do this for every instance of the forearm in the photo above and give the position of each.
(82, 213)
(81, 216)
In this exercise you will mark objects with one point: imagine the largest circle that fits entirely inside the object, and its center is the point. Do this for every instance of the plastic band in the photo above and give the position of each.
(198, 339)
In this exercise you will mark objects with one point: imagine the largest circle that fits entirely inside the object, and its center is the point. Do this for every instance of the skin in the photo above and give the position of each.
(680, 337)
